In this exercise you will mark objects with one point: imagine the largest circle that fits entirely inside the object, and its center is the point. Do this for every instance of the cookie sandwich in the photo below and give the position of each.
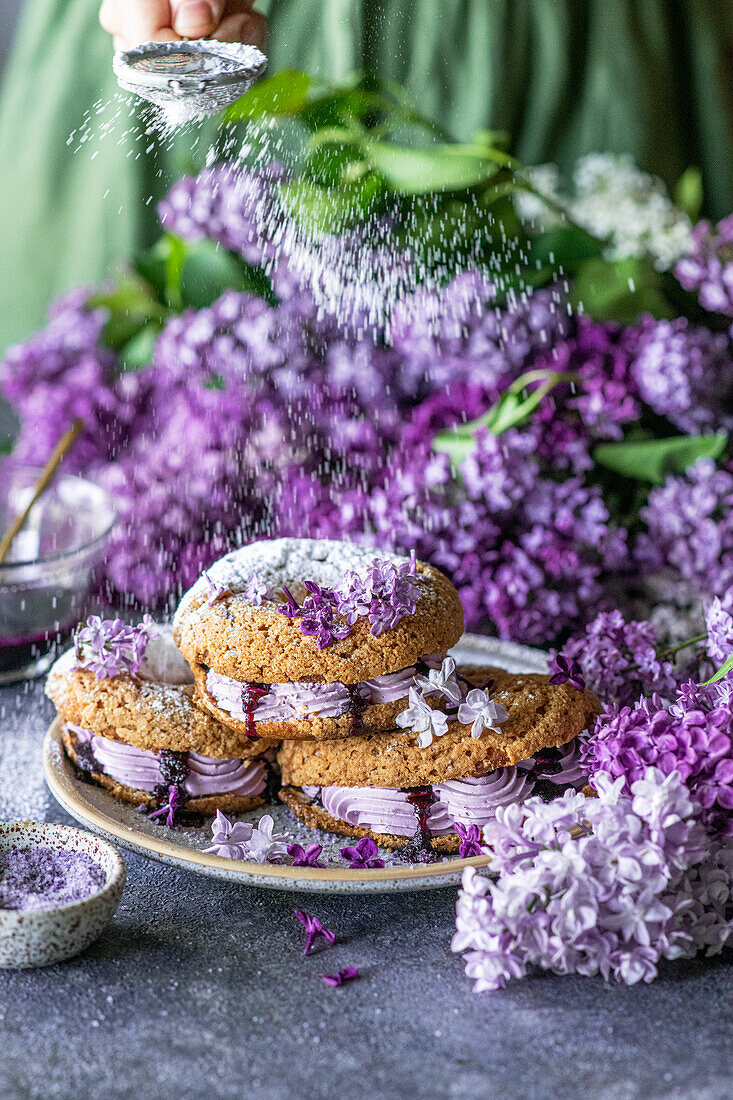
(312, 639)
(484, 738)
(132, 724)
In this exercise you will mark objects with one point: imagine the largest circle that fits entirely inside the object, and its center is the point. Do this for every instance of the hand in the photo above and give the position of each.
(132, 22)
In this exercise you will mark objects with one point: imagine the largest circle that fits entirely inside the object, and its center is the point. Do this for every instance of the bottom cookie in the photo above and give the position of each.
(251, 791)
(315, 817)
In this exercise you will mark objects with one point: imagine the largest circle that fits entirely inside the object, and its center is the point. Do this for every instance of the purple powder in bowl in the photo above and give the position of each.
(46, 878)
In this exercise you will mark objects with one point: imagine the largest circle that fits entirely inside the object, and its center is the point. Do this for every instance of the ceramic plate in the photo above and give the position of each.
(181, 847)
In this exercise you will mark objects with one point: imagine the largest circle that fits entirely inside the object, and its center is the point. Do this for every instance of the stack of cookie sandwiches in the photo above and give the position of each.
(132, 724)
(342, 657)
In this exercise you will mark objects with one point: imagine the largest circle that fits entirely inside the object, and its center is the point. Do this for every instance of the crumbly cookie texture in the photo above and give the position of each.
(371, 719)
(315, 817)
(258, 645)
(204, 804)
(540, 715)
(144, 714)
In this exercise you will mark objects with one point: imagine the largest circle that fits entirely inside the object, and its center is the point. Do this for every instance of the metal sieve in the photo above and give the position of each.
(191, 78)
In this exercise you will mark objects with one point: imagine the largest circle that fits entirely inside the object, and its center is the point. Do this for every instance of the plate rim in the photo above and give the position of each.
(64, 786)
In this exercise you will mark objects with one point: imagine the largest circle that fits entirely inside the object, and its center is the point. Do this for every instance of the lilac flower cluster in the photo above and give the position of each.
(708, 266)
(616, 659)
(608, 885)
(316, 614)
(260, 420)
(111, 647)
(240, 840)
(685, 372)
(385, 595)
(689, 529)
(692, 738)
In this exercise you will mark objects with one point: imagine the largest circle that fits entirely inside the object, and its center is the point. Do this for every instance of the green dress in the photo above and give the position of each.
(564, 77)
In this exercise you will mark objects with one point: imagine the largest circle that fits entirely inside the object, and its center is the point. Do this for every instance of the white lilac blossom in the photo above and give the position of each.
(442, 681)
(615, 201)
(420, 718)
(111, 647)
(481, 712)
(608, 885)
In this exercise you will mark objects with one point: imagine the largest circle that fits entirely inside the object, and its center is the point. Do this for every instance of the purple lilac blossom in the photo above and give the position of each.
(305, 857)
(111, 647)
(608, 885)
(616, 659)
(471, 841)
(689, 529)
(362, 855)
(685, 372)
(708, 266)
(348, 974)
(692, 738)
(313, 929)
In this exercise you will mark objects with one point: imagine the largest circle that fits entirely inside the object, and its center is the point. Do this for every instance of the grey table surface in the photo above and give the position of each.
(198, 989)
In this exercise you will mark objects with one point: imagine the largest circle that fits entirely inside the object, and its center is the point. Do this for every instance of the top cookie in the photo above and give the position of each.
(382, 617)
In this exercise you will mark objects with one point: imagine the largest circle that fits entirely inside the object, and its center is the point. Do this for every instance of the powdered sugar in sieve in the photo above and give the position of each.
(189, 79)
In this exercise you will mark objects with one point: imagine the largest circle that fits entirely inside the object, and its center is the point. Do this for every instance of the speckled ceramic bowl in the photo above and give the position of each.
(39, 937)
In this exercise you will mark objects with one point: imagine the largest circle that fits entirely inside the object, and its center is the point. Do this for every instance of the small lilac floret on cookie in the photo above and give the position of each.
(215, 591)
(348, 974)
(386, 594)
(420, 718)
(363, 855)
(255, 591)
(566, 671)
(481, 712)
(313, 929)
(111, 647)
(442, 681)
(291, 608)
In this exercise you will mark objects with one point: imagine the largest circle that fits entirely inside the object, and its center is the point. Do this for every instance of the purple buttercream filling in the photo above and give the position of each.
(282, 702)
(468, 801)
(140, 769)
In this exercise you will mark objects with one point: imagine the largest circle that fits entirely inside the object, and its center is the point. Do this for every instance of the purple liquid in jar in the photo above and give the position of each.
(33, 621)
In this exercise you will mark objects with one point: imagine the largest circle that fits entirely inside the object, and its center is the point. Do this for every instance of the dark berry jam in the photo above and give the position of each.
(173, 766)
(357, 703)
(420, 848)
(251, 695)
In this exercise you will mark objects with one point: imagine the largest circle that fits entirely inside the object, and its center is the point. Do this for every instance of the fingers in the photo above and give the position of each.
(131, 22)
(242, 26)
(196, 18)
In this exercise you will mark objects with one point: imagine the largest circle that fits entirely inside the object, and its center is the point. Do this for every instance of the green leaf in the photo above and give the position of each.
(655, 459)
(439, 168)
(564, 246)
(6, 445)
(332, 210)
(722, 671)
(131, 305)
(285, 93)
(688, 193)
(138, 351)
(619, 291)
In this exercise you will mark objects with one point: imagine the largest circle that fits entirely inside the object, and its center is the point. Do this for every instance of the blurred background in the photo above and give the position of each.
(9, 10)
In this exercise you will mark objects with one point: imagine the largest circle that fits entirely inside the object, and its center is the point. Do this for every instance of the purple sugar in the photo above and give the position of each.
(45, 878)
